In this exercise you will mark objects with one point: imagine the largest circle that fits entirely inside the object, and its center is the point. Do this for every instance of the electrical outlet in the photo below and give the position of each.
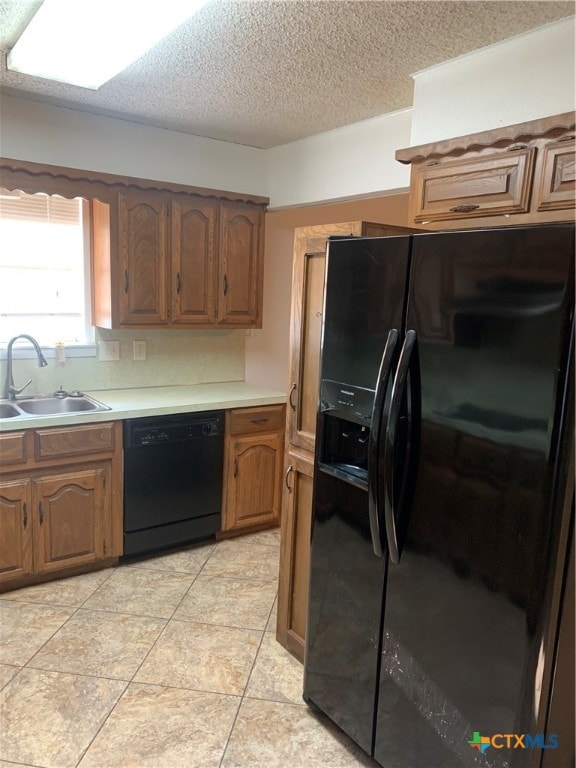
(139, 350)
(108, 350)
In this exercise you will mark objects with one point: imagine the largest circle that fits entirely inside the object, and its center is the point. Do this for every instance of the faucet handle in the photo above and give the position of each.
(15, 391)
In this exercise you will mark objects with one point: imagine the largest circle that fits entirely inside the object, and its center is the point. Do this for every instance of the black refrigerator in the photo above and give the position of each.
(440, 492)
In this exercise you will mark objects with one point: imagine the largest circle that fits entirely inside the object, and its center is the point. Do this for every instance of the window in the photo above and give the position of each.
(44, 268)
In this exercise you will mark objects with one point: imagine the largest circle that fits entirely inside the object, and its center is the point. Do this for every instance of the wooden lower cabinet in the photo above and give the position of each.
(252, 468)
(295, 552)
(71, 508)
(64, 512)
(16, 553)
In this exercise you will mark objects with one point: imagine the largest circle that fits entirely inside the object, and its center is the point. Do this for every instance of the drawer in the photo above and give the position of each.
(13, 448)
(268, 418)
(71, 441)
(495, 184)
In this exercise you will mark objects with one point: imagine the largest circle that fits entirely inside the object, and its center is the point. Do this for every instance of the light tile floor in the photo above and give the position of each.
(169, 662)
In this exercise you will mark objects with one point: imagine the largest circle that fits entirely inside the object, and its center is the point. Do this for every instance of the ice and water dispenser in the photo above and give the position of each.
(344, 431)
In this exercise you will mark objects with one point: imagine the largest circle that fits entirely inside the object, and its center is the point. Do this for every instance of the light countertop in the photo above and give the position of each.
(156, 401)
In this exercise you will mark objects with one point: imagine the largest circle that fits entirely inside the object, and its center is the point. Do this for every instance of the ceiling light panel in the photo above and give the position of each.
(87, 42)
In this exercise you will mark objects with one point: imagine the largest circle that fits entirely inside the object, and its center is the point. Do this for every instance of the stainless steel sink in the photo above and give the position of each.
(42, 405)
(8, 411)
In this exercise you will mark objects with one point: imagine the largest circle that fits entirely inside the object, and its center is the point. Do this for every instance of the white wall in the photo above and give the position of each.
(524, 78)
(56, 136)
(354, 160)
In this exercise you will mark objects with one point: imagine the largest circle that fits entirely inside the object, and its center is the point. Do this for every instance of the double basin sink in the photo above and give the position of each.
(50, 405)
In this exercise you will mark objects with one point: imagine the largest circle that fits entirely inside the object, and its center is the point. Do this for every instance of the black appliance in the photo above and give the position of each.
(440, 480)
(172, 480)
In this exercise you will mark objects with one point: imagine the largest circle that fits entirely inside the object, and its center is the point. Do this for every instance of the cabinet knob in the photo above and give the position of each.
(288, 471)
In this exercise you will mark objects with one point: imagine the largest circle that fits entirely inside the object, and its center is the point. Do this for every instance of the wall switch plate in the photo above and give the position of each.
(108, 350)
(139, 349)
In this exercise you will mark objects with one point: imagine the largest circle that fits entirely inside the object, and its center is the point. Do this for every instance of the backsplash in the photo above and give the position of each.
(172, 357)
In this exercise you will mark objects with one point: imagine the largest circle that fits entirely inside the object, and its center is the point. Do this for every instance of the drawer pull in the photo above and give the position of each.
(41, 509)
(517, 147)
(570, 137)
(125, 281)
(235, 468)
(178, 283)
(25, 515)
(288, 471)
(259, 421)
(464, 208)
(225, 284)
(292, 390)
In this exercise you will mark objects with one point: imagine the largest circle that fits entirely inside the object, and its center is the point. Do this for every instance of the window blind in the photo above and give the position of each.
(40, 208)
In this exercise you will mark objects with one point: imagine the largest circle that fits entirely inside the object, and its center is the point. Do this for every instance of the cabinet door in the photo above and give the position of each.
(495, 184)
(295, 553)
(254, 466)
(143, 232)
(193, 252)
(69, 509)
(558, 182)
(16, 553)
(241, 264)
(307, 303)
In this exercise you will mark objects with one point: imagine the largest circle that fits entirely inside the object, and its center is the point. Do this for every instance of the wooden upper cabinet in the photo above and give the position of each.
(193, 259)
(176, 261)
(484, 186)
(558, 179)
(516, 174)
(143, 232)
(241, 265)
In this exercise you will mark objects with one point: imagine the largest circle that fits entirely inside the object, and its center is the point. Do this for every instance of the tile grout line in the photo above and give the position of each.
(74, 612)
(131, 680)
(243, 694)
(247, 681)
(81, 606)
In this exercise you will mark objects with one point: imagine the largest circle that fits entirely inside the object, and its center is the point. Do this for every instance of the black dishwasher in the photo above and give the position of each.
(172, 480)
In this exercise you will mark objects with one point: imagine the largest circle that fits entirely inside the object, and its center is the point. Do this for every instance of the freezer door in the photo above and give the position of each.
(467, 604)
(364, 300)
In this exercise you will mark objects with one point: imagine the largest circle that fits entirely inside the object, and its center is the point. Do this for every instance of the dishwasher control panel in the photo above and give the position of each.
(164, 430)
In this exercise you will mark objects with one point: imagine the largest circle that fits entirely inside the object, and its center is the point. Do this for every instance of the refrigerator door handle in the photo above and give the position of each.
(398, 389)
(384, 375)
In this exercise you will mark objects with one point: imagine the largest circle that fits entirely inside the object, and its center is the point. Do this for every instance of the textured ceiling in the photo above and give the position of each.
(266, 72)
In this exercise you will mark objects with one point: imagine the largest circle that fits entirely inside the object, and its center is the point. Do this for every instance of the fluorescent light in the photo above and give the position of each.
(87, 42)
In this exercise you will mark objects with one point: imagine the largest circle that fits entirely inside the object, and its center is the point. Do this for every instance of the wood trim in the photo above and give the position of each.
(550, 127)
(72, 182)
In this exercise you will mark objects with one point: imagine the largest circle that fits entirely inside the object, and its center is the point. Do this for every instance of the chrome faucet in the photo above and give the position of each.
(10, 391)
